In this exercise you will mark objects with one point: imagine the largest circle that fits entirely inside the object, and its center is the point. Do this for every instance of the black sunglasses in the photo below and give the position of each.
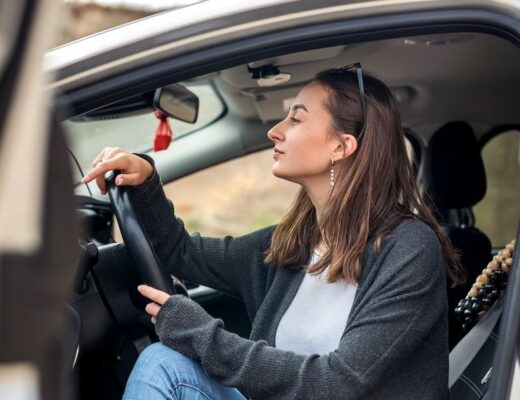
(359, 73)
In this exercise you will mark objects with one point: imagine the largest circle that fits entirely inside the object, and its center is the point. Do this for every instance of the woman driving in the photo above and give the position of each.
(346, 296)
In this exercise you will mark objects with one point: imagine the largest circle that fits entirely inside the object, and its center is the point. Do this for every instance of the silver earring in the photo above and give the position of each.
(332, 177)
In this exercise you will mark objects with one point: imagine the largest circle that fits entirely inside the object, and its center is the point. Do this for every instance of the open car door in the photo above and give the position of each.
(36, 253)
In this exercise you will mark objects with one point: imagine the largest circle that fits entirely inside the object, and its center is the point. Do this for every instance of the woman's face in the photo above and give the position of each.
(303, 144)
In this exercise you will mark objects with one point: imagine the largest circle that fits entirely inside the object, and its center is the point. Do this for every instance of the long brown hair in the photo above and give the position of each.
(375, 187)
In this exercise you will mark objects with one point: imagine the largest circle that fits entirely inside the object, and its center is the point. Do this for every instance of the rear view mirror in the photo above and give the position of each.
(177, 102)
(173, 100)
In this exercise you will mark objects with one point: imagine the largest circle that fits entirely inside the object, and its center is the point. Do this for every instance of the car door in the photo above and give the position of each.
(35, 191)
(82, 83)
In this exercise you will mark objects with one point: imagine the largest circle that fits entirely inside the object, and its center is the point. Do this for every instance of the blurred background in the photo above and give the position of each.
(84, 17)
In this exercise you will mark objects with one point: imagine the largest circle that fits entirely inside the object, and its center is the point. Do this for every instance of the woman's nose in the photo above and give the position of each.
(275, 133)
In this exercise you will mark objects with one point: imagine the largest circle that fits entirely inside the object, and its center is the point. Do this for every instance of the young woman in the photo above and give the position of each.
(347, 295)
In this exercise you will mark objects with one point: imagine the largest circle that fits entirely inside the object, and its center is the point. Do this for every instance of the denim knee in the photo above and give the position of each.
(163, 373)
(158, 351)
(159, 358)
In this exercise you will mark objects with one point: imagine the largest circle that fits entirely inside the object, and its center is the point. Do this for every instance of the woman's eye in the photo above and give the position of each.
(294, 120)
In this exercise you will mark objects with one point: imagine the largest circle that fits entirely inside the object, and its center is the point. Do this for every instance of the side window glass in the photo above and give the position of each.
(497, 215)
(232, 198)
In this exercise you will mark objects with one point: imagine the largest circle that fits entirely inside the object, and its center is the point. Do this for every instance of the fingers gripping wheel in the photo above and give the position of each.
(137, 242)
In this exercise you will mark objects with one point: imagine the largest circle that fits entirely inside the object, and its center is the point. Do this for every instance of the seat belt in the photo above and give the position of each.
(468, 348)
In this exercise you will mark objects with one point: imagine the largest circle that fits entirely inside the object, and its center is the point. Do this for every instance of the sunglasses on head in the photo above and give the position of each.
(359, 73)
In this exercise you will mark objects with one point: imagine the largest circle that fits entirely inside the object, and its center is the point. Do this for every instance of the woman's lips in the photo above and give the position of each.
(277, 153)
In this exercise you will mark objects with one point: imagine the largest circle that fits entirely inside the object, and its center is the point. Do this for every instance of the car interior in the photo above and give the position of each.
(457, 93)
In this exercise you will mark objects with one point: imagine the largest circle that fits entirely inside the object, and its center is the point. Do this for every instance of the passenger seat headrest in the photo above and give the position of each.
(454, 174)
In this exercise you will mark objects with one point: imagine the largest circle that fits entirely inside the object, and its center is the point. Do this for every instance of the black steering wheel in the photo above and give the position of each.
(137, 243)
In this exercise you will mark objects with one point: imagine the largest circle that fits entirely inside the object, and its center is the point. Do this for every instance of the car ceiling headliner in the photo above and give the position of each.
(474, 78)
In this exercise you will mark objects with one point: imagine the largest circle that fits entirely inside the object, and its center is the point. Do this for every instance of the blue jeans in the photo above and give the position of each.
(163, 373)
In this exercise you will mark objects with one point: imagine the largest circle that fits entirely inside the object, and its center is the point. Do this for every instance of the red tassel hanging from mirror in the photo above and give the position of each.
(163, 134)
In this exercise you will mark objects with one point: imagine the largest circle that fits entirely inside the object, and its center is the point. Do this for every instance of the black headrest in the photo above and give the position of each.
(454, 173)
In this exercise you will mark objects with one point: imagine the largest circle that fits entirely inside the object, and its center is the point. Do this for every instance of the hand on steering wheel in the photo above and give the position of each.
(114, 170)
(134, 169)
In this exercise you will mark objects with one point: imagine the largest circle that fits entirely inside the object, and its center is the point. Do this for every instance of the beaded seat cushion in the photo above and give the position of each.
(487, 288)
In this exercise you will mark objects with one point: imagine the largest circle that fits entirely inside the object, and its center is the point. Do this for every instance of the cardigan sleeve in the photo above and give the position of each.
(409, 299)
(226, 264)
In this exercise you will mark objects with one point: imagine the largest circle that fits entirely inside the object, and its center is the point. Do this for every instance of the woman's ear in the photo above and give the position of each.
(345, 147)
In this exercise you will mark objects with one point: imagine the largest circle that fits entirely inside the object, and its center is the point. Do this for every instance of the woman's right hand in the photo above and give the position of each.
(134, 169)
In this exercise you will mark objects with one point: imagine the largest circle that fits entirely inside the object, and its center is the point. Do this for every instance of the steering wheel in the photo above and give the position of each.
(136, 241)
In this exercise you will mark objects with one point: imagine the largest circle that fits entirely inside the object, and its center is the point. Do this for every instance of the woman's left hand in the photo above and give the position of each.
(157, 296)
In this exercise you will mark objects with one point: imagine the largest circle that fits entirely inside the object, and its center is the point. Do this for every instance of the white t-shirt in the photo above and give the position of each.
(317, 316)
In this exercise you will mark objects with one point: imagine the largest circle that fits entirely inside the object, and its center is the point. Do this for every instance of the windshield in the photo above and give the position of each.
(135, 134)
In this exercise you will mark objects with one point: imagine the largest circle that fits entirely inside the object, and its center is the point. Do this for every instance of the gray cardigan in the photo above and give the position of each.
(395, 344)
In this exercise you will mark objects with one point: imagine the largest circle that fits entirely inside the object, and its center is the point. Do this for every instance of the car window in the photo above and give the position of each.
(498, 213)
(232, 198)
(135, 134)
